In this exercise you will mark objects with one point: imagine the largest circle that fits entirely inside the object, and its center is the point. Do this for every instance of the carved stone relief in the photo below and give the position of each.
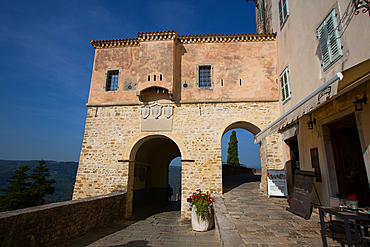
(156, 110)
(168, 111)
(145, 111)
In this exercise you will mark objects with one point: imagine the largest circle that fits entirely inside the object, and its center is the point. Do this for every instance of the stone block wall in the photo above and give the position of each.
(58, 223)
(112, 132)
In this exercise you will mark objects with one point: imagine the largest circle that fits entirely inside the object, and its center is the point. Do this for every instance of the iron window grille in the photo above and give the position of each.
(112, 80)
(205, 76)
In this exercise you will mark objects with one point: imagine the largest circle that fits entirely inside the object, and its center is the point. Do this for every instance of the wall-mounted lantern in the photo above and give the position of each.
(359, 103)
(311, 123)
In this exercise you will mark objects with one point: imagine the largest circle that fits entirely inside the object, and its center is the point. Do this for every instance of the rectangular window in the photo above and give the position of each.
(284, 83)
(283, 11)
(205, 76)
(112, 80)
(329, 41)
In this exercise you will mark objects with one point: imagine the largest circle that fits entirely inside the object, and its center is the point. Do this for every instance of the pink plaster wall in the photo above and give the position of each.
(254, 63)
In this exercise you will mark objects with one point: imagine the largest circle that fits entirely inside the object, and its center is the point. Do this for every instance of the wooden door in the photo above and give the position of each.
(349, 162)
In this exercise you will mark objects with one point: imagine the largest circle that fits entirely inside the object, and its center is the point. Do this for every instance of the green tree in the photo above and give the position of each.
(40, 186)
(27, 190)
(16, 195)
(232, 150)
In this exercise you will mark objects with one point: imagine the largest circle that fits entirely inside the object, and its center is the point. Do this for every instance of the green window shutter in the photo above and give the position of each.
(334, 40)
(282, 82)
(281, 18)
(285, 88)
(329, 41)
(283, 11)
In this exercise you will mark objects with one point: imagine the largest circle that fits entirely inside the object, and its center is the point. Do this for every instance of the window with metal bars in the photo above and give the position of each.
(112, 80)
(205, 76)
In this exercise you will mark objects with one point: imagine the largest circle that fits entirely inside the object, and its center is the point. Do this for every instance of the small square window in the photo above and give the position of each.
(285, 87)
(111, 82)
(283, 11)
(204, 76)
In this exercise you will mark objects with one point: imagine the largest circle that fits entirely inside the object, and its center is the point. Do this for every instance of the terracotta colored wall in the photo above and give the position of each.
(253, 64)
(126, 58)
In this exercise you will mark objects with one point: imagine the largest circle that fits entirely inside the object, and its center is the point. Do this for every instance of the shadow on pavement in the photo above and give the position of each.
(134, 243)
(144, 211)
(140, 212)
(233, 181)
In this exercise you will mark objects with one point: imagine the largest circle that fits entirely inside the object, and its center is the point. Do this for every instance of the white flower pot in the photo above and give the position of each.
(200, 225)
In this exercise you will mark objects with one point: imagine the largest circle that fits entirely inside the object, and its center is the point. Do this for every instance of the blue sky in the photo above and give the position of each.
(46, 61)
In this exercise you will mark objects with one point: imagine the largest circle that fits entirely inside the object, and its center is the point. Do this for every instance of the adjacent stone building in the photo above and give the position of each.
(162, 95)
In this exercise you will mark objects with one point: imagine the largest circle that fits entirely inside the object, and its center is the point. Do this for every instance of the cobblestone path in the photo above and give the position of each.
(263, 221)
(260, 221)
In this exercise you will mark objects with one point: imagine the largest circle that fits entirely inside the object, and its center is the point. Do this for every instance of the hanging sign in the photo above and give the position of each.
(276, 183)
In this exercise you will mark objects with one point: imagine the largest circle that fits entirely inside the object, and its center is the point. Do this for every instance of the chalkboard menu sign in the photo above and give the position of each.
(301, 200)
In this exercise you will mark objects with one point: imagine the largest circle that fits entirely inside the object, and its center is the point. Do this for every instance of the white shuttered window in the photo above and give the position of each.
(284, 83)
(329, 41)
(283, 11)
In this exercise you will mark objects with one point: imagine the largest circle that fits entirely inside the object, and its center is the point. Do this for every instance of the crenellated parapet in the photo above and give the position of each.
(185, 39)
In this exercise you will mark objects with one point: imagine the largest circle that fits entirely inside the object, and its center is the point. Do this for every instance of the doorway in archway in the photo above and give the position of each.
(174, 178)
(249, 167)
(248, 152)
(152, 156)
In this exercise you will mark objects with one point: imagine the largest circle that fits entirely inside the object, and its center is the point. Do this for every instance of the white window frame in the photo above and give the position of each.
(329, 40)
(285, 85)
(283, 11)
(105, 88)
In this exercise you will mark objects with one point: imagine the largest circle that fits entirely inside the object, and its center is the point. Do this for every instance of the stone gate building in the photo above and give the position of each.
(160, 96)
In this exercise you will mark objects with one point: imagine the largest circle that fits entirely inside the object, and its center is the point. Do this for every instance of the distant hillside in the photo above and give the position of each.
(63, 172)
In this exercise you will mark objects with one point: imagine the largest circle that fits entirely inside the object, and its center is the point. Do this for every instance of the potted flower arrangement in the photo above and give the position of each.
(202, 211)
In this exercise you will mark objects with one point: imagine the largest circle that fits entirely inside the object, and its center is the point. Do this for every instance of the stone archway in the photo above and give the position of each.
(149, 160)
(243, 125)
(245, 164)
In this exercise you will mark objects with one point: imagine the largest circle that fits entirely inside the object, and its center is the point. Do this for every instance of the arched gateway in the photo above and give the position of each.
(161, 96)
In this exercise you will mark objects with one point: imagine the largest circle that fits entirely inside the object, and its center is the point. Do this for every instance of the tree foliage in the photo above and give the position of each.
(232, 150)
(27, 190)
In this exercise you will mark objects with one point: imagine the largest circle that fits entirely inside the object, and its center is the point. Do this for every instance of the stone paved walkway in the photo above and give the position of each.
(257, 220)
(156, 225)
(263, 221)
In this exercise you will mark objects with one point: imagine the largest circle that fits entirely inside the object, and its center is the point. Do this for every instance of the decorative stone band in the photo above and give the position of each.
(185, 39)
(109, 104)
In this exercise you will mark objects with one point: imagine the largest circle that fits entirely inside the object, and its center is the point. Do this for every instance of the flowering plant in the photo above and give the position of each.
(201, 201)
